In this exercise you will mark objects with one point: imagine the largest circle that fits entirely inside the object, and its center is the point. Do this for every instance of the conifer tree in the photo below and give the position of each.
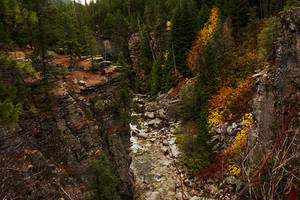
(202, 15)
(67, 32)
(184, 29)
(104, 180)
(155, 79)
(90, 46)
(9, 9)
(26, 23)
(291, 4)
(13, 91)
(4, 36)
(44, 34)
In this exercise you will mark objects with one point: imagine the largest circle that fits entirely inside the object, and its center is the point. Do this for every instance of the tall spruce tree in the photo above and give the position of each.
(203, 14)
(67, 32)
(184, 29)
(44, 34)
(155, 79)
(104, 180)
(13, 91)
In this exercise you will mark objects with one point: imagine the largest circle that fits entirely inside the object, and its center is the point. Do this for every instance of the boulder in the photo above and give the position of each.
(149, 115)
(82, 83)
(234, 125)
(52, 53)
(165, 143)
(154, 196)
(105, 63)
(100, 66)
(165, 150)
(97, 58)
(155, 122)
(151, 107)
(142, 134)
(161, 114)
(230, 130)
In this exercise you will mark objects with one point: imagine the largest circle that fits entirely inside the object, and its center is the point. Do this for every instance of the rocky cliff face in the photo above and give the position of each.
(47, 154)
(156, 43)
(277, 86)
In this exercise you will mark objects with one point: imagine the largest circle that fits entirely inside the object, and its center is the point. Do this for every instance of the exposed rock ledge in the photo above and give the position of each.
(46, 156)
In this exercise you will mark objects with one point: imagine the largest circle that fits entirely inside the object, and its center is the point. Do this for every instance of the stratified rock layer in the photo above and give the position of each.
(46, 156)
(277, 87)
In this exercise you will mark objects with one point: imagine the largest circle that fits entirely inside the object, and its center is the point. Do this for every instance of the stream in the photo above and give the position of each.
(155, 165)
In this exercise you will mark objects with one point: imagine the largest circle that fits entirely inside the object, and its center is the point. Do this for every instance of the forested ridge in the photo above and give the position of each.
(218, 58)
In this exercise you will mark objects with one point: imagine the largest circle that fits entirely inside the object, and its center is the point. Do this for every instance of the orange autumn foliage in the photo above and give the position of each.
(241, 137)
(217, 109)
(242, 97)
(230, 104)
(240, 61)
(203, 37)
(221, 99)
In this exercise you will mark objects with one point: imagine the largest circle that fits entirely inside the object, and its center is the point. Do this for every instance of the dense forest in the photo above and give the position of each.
(213, 48)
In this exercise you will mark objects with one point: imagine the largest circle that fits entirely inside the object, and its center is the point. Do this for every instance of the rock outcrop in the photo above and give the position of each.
(158, 173)
(277, 86)
(46, 156)
(156, 43)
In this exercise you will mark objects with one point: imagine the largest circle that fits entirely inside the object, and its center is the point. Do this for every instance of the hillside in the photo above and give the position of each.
(149, 99)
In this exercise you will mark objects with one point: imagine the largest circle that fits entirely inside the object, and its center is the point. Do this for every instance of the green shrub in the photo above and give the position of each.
(267, 37)
(196, 150)
(89, 114)
(13, 93)
(99, 105)
(155, 79)
(104, 180)
(291, 4)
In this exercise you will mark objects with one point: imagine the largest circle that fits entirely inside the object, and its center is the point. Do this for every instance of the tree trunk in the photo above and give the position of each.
(74, 3)
(86, 10)
(129, 8)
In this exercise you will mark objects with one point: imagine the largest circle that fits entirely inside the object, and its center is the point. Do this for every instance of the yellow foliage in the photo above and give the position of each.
(218, 107)
(203, 37)
(241, 137)
(168, 24)
(234, 170)
(229, 104)
(215, 118)
(240, 61)
(166, 55)
(178, 75)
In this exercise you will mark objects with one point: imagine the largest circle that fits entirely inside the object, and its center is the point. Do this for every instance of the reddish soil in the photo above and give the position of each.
(65, 59)
(90, 79)
(62, 59)
(74, 78)
(20, 54)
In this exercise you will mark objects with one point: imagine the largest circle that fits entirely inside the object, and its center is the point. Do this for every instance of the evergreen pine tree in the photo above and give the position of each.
(67, 32)
(104, 180)
(292, 4)
(90, 47)
(4, 36)
(44, 34)
(155, 79)
(238, 11)
(13, 92)
(184, 29)
(203, 15)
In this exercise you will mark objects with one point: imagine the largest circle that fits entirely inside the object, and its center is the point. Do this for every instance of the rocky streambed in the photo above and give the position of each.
(158, 174)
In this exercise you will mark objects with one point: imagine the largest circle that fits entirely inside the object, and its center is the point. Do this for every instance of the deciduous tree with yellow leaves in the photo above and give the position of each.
(203, 37)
